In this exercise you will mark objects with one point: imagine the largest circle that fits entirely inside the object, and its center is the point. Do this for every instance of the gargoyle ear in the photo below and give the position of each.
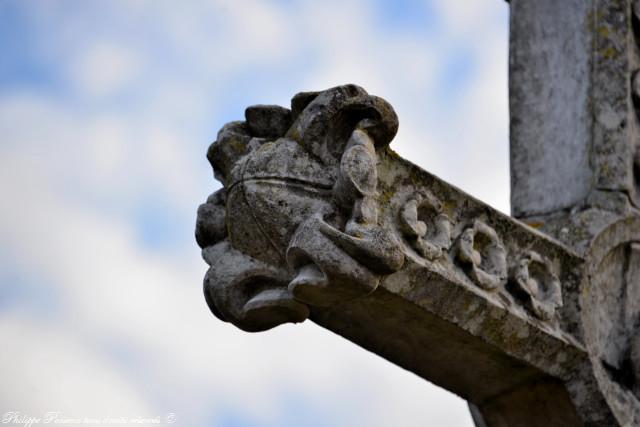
(231, 144)
(328, 119)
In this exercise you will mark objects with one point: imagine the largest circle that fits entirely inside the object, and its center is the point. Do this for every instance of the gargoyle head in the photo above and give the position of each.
(296, 181)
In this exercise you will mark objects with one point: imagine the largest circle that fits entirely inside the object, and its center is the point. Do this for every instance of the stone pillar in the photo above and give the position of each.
(549, 85)
(574, 125)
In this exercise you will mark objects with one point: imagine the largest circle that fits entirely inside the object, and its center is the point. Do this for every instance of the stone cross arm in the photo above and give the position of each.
(320, 219)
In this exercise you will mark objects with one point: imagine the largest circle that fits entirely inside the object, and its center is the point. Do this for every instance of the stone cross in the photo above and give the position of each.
(535, 319)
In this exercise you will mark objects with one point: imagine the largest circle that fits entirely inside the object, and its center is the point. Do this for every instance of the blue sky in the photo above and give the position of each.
(106, 111)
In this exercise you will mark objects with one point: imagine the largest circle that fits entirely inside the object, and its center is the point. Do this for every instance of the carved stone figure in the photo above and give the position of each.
(301, 187)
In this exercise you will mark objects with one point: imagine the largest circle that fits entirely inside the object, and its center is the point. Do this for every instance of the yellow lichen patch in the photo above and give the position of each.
(415, 176)
(385, 196)
(237, 145)
(610, 52)
(449, 207)
(534, 224)
(391, 153)
(603, 31)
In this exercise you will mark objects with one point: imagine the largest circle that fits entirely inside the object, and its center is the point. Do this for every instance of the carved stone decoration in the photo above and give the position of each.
(296, 224)
(534, 279)
(481, 252)
(423, 224)
(610, 301)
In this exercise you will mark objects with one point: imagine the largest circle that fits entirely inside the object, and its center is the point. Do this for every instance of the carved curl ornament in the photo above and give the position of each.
(482, 253)
(535, 281)
(423, 224)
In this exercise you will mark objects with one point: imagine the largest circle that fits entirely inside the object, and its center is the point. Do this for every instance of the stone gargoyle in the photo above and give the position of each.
(296, 222)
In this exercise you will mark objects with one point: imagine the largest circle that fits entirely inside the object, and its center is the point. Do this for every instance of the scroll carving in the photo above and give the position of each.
(296, 224)
(425, 227)
(536, 283)
(481, 252)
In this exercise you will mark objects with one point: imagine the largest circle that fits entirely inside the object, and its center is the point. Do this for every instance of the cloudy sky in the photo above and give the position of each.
(106, 111)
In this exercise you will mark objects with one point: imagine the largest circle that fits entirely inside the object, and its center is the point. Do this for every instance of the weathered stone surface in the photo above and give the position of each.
(267, 121)
(611, 316)
(574, 129)
(211, 224)
(575, 176)
(324, 221)
(549, 85)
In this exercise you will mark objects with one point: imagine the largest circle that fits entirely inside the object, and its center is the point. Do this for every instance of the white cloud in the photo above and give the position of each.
(106, 68)
(46, 369)
(72, 173)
